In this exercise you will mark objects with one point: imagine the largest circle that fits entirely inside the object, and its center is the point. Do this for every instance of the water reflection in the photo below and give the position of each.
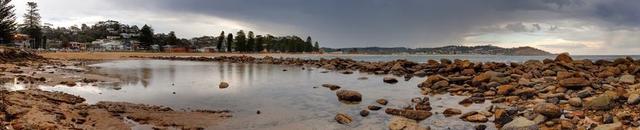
(286, 99)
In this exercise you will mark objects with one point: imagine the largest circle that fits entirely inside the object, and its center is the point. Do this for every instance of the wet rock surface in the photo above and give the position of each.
(411, 114)
(349, 96)
(35, 109)
(223, 85)
(343, 118)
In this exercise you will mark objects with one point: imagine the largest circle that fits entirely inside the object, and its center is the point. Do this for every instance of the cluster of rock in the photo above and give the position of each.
(560, 93)
(36, 109)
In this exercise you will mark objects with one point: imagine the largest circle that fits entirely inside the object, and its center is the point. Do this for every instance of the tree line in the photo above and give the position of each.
(31, 25)
(240, 41)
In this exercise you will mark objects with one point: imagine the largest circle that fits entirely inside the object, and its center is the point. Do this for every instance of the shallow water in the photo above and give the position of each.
(286, 99)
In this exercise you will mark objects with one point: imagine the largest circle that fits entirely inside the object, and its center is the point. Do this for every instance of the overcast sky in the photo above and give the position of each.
(575, 26)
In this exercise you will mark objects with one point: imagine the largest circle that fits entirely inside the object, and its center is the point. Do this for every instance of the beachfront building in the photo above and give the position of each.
(21, 40)
(77, 46)
(107, 45)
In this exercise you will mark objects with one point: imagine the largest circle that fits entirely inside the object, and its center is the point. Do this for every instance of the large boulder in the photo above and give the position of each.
(576, 102)
(382, 101)
(484, 77)
(633, 99)
(477, 118)
(629, 79)
(343, 118)
(451, 112)
(223, 85)
(390, 80)
(564, 57)
(505, 89)
(520, 123)
(349, 95)
(563, 75)
(612, 126)
(574, 83)
(601, 102)
(549, 110)
(411, 114)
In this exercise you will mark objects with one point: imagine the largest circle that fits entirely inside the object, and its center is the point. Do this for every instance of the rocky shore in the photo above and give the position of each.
(560, 93)
(24, 106)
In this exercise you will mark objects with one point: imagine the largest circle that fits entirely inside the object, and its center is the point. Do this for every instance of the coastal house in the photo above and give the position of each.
(107, 45)
(174, 49)
(77, 46)
(21, 40)
(207, 49)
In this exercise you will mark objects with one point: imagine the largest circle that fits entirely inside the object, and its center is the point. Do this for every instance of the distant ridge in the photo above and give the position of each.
(449, 50)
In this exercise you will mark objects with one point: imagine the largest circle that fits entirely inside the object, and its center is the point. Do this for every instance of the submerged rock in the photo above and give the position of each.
(349, 95)
(477, 118)
(390, 80)
(451, 112)
(382, 101)
(331, 86)
(364, 113)
(374, 108)
(223, 85)
(343, 118)
(411, 114)
(400, 123)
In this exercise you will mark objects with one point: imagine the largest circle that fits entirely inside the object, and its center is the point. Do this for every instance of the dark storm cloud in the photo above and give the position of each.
(620, 12)
(412, 23)
(364, 22)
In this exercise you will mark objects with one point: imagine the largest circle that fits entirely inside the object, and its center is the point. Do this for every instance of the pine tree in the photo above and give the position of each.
(146, 37)
(7, 21)
(251, 43)
(172, 39)
(229, 42)
(308, 45)
(220, 41)
(31, 24)
(259, 43)
(316, 47)
(241, 41)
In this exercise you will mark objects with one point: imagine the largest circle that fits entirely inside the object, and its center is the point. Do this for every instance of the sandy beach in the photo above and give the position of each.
(129, 55)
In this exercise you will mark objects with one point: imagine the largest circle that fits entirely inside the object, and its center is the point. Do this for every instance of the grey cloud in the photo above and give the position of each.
(537, 26)
(565, 45)
(619, 12)
(517, 27)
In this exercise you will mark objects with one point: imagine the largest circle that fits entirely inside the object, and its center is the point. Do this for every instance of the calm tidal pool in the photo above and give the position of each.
(291, 99)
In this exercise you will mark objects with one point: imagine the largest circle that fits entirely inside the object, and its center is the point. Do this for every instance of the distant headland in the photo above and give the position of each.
(445, 50)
